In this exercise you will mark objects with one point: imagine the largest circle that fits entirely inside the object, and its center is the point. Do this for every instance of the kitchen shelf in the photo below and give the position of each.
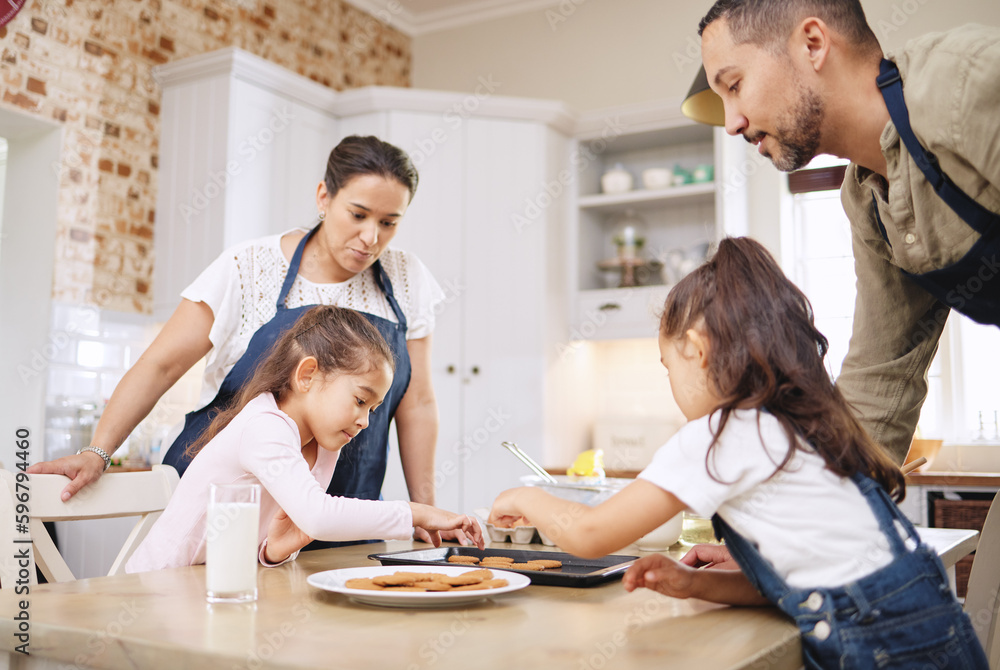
(677, 221)
(649, 199)
(620, 313)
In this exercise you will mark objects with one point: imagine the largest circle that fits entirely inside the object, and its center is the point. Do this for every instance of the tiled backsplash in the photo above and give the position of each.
(91, 349)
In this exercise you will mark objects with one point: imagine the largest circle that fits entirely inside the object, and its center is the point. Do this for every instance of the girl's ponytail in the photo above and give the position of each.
(766, 353)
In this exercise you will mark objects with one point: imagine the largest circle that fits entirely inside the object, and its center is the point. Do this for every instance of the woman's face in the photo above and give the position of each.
(360, 221)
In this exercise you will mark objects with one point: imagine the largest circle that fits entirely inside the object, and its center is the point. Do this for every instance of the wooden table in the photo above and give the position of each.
(160, 620)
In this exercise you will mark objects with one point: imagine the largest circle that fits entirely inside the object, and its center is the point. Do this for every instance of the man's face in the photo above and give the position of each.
(765, 99)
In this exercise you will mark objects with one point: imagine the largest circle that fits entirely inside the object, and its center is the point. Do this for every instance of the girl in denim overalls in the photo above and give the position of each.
(794, 485)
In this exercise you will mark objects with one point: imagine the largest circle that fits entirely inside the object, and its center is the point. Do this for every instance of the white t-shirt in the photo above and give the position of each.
(242, 287)
(814, 527)
(261, 445)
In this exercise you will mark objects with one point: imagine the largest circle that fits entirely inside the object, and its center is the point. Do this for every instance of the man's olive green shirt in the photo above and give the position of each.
(951, 83)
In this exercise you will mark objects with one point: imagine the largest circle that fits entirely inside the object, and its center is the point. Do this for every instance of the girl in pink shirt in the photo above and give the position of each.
(309, 397)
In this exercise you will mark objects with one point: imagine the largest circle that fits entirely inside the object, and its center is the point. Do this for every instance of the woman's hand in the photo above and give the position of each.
(431, 520)
(82, 469)
(283, 538)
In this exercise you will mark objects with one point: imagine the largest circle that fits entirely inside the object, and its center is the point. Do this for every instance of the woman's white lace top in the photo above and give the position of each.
(242, 286)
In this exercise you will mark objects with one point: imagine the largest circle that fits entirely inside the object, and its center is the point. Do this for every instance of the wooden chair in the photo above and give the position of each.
(142, 494)
(982, 602)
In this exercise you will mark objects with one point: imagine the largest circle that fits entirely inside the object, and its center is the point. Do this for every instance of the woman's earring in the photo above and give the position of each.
(322, 215)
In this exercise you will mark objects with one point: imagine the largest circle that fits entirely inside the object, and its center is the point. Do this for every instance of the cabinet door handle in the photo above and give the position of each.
(609, 307)
(475, 369)
(450, 369)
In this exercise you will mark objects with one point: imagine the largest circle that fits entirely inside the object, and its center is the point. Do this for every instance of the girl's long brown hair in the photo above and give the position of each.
(765, 353)
(341, 340)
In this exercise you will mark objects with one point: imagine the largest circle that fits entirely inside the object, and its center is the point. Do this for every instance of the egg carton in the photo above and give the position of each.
(515, 535)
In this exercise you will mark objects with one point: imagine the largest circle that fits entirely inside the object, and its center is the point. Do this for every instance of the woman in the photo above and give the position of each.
(252, 293)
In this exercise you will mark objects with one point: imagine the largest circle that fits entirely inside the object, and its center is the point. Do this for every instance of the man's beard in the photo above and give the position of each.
(797, 134)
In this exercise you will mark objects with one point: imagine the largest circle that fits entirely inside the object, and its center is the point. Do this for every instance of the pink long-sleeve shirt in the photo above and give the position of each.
(261, 445)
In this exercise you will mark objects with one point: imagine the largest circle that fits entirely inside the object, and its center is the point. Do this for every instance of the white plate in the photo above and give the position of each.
(334, 580)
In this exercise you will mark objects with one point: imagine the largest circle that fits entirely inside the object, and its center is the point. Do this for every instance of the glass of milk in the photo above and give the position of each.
(231, 543)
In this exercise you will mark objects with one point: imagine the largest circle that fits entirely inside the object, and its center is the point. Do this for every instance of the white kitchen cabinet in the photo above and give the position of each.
(243, 144)
(677, 219)
(504, 315)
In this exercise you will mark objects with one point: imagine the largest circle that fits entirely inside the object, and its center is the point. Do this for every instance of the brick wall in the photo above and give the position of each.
(88, 64)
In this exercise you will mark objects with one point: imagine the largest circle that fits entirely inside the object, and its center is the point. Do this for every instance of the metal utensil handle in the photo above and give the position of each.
(529, 461)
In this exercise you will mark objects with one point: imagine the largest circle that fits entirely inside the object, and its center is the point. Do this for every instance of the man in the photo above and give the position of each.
(801, 78)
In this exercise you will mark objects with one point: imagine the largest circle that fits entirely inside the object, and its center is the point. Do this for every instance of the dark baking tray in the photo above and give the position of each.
(575, 571)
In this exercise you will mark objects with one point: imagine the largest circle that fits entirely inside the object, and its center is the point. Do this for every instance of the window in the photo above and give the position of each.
(816, 234)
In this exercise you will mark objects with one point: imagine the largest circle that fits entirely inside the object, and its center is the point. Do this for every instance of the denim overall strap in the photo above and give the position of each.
(293, 268)
(759, 571)
(382, 279)
(970, 285)
(891, 85)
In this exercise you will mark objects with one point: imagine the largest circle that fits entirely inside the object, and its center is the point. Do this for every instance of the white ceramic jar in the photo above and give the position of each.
(617, 180)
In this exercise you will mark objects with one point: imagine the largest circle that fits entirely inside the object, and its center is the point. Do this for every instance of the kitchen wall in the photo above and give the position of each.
(601, 53)
(88, 65)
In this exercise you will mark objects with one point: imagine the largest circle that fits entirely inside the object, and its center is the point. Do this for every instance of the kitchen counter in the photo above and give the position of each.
(160, 619)
(972, 479)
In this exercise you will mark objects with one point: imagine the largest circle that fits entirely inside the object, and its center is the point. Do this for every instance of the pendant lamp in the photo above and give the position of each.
(702, 104)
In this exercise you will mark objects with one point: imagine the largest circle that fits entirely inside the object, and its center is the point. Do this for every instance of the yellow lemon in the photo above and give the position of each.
(588, 464)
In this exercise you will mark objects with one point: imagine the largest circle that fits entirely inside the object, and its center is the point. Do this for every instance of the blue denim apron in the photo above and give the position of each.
(361, 467)
(970, 285)
(901, 616)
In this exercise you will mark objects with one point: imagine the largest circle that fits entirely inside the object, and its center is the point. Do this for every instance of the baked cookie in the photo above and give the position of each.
(458, 558)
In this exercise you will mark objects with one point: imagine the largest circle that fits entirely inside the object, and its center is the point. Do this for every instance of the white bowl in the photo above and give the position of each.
(578, 489)
(662, 538)
(654, 178)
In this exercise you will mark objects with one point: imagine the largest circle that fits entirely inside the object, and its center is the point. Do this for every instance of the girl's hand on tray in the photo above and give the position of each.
(505, 512)
(432, 520)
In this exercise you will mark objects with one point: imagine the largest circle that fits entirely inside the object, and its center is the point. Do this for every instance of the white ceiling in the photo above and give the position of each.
(415, 17)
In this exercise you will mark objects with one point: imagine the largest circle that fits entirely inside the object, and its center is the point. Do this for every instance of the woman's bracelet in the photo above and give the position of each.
(100, 452)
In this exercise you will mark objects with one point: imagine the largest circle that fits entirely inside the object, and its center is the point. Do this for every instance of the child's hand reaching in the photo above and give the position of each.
(662, 574)
(505, 512)
(431, 520)
(283, 538)
(707, 571)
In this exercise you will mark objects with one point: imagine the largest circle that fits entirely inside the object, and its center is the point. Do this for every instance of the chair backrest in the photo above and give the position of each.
(982, 601)
(143, 494)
